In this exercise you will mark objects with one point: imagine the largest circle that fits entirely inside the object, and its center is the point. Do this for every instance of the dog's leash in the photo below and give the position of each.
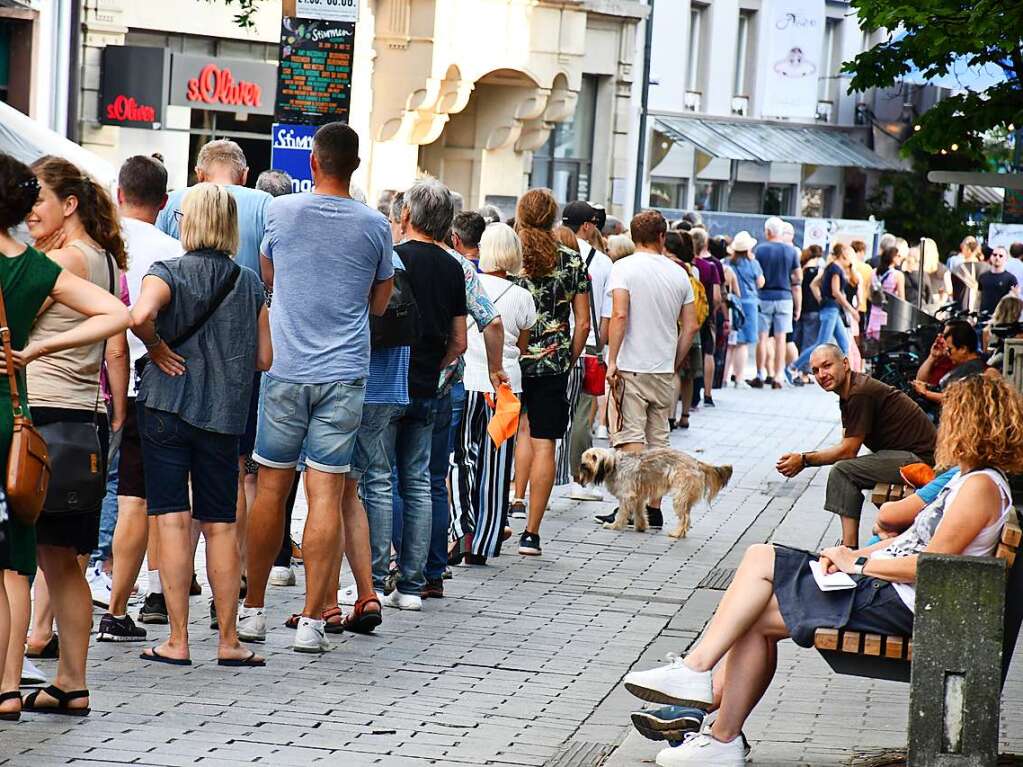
(618, 395)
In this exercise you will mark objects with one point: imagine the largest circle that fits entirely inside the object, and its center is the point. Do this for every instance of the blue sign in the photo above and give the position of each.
(290, 150)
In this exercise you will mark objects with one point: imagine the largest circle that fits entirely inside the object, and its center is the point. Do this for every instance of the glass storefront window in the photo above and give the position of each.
(564, 163)
(708, 195)
(667, 193)
(778, 200)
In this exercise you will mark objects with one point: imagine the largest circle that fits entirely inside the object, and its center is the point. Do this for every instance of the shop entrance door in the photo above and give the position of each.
(251, 134)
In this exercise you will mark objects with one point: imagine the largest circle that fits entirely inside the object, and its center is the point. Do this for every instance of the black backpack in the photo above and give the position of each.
(399, 324)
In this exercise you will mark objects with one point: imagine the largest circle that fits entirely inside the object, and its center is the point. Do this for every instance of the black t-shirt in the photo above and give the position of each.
(886, 418)
(809, 272)
(439, 287)
(993, 287)
(828, 298)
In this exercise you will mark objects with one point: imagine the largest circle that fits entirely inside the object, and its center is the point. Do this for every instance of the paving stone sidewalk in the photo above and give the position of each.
(521, 662)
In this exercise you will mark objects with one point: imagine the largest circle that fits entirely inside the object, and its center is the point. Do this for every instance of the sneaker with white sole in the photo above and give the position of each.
(673, 684)
(311, 636)
(31, 676)
(282, 576)
(601, 432)
(579, 493)
(251, 624)
(517, 509)
(703, 749)
(349, 595)
(100, 584)
(403, 601)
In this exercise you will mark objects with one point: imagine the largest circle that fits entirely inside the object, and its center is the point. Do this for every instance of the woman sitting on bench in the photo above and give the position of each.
(774, 595)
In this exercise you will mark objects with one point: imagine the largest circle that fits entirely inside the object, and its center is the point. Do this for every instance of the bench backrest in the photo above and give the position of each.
(1008, 549)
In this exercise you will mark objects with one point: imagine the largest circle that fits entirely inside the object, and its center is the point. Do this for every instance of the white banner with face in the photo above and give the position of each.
(792, 41)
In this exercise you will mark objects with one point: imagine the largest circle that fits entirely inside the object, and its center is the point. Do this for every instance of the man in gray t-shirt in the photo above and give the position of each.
(328, 260)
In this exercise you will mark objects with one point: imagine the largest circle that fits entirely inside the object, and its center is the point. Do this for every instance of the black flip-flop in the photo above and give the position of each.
(154, 656)
(250, 662)
(28, 704)
(50, 650)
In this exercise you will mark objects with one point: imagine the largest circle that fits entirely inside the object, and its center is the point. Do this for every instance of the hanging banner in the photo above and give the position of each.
(289, 151)
(331, 10)
(314, 79)
(791, 64)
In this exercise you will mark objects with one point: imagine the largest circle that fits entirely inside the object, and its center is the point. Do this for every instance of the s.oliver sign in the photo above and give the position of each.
(133, 86)
(226, 85)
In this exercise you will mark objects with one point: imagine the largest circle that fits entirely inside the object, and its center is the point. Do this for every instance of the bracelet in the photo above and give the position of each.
(156, 342)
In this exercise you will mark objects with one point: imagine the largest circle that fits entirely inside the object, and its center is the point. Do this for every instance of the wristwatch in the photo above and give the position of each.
(858, 565)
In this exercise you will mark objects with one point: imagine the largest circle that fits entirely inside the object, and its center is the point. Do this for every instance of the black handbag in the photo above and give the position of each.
(79, 479)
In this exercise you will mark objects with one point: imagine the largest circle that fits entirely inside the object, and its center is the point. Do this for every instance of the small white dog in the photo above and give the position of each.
(634, 478)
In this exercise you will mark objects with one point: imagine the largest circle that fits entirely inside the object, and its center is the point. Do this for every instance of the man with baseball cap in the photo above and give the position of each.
(586, 221)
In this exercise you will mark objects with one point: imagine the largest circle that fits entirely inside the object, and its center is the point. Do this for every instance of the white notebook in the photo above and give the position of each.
(833, 582)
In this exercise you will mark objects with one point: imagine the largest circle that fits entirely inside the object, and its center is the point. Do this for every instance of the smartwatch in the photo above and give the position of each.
(859, 564)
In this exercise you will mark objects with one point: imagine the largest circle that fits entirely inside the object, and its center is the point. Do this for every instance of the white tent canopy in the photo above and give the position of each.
(27, 140)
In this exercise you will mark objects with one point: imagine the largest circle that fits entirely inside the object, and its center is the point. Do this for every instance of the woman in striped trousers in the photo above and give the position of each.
(480, 473)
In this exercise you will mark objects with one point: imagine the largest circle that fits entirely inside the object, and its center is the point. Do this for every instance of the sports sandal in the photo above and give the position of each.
(63, 698)
(359, 620)
(10, 716)
(50, 650)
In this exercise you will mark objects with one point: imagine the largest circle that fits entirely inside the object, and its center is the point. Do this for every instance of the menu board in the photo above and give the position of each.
(314, 79)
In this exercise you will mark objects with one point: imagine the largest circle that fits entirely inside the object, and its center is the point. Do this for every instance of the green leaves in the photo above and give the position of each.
(246, 10)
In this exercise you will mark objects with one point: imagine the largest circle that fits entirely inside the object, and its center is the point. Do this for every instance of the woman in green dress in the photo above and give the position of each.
(28, 279)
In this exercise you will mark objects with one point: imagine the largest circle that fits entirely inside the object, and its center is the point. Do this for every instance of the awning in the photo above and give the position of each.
(761, 142)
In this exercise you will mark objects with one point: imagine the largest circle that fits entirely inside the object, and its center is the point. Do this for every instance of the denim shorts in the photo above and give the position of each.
(317, 420)
(776, 316)
(173, 452)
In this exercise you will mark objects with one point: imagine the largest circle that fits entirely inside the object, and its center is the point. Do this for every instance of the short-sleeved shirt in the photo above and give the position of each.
(709, 275)
(1014, 266)
(220, 358)
(478, 307)
(747, 270)
(438, 284)
(994, 286)
(886, 418)
(778, 261)
(550, 343)
(518, 313)
(657, 290)
(828, 298)
(388, 369)
(327, 252)
(253, 205)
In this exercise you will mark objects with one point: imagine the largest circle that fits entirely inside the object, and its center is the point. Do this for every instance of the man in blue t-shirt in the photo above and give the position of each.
(780, 265)
(328, 259)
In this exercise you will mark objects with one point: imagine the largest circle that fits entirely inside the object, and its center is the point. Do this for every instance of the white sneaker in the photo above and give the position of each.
(349, 595)
(579, 493)
(674, 684)
(31, 676)
(742, 385)
(251, 624)
(601, 432)
(311, 636)
(100, 585)
(282, 576)
(702, 749)
(403, 601)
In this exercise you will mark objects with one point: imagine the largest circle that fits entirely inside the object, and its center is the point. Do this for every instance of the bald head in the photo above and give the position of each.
(830, 367)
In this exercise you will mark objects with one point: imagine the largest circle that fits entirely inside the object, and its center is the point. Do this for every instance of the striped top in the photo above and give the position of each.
(388, 369)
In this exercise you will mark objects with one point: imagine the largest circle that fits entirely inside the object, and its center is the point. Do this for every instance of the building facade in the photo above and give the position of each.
(749, 112)
(35, 62)
(490, 96)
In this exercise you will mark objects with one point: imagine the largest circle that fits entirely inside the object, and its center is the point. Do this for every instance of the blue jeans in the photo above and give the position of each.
(457, 410)
(372, 464)
(408, 439)
(440, 455)
(108, 514)
(831, 327)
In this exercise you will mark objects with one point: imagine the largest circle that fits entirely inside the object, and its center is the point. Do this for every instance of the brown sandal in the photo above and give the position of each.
(333, 626)
(359, 620)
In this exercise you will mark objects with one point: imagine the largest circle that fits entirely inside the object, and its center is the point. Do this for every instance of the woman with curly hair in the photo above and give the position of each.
(774, 595)
(556, 278)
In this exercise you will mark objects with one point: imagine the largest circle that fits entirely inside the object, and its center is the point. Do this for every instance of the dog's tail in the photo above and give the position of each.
(714, 479)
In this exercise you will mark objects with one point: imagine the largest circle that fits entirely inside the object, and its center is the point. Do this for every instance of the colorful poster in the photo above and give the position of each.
(314, 79)
(290, 150)
(793, 40)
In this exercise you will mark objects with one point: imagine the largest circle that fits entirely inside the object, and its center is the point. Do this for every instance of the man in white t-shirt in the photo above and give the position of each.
(651, 300)
(141, 193)
(585, 221)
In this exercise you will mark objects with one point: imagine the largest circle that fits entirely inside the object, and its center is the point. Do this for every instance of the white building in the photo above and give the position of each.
(749, 113)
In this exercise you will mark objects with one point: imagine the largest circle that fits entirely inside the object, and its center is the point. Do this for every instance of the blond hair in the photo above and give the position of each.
(1008, 310)
(981, 425)
(620, 246)
(500, 249)
(931, 259)
(222, 152)
(209, 219)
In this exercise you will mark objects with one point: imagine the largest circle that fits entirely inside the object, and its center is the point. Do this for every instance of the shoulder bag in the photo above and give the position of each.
(28, 462)
(594, 369)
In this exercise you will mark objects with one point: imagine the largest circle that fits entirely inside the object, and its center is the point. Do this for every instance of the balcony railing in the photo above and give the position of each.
(693, 101)
(740, 105)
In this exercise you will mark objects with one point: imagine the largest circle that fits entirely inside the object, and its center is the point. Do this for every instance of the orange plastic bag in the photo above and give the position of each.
(505, 421)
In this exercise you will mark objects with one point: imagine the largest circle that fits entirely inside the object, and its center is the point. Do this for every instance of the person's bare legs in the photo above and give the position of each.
(223, 568)
(320, 542)
(131, 535)
(708, 376)
(153, 548)
(356, 537)
(779, 357)
(176, 575)
(739, 354)
(42, 615)
(762, 351)
(265, 529)
(850, 532)
(15, 607)
(71, 601)
(523, 457)
(241, 516)
(541, 481)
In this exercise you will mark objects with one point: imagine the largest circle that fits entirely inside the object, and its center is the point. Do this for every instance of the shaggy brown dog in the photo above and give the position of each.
(634, 478)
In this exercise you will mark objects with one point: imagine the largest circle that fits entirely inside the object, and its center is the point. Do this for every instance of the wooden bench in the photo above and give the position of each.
(889, 491)
(878, 656)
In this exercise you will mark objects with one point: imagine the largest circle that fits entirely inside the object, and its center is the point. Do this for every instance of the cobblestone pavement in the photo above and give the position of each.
(521, 662)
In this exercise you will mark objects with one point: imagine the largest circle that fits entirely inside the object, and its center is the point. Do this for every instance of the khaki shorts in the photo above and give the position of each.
(647, 403)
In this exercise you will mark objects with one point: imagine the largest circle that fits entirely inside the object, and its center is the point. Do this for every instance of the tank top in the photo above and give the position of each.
(70, 378)
(919, 535)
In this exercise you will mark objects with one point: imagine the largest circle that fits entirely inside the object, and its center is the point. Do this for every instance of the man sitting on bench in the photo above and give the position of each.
(775, 595)
(875, 415)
